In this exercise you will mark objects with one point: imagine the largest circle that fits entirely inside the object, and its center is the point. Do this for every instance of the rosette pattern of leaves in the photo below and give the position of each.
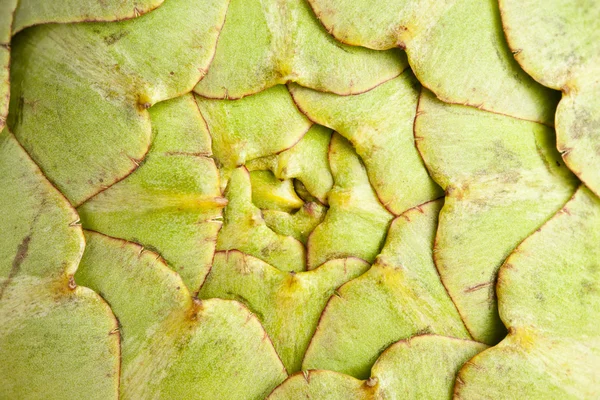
(285, 199)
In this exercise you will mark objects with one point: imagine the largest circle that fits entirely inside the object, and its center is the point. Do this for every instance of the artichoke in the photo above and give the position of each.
(285, 199)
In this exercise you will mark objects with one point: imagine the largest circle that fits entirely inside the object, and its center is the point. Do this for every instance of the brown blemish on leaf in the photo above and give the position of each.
(21, 255)
(115, 37)
(478, 287)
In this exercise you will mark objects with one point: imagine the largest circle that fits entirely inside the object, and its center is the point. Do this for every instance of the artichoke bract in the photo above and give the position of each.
(286, 199)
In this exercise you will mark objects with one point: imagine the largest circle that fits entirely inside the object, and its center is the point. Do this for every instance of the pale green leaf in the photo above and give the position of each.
(503, 179)
(400, 296)
(173, 346)
(264, 43)
(323, 385)
(558, 43)
(257, 126)
(299, 224)
(288, 304)
(172, 202)
(35, 12)
(356, 222)
(549, 298)
(379, 124)
(80, 91)
(455, 47)
(307, 161)
(422, 367)
(57, 340)
(244, 229)
(7, 8)
(270, 193)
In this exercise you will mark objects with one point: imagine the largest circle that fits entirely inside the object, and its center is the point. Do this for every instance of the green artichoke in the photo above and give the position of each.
(286, 199)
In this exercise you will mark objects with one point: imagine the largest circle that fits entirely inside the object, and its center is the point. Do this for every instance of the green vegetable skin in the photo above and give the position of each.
(286, 199)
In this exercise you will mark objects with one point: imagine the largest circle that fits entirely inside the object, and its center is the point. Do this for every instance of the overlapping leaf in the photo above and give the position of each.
(455, 47)
(265, 43)
(172, 202)
(286, 214)
(558, 43)
(423, 367)
(7, 9)
(299, 224)
(356, 222)
(503, 179)
(244, 229)
(379, 124)
(58, 340)
(80, 91)
(36, 12)
(174, 346)
(306, 161)
(16, 15)
(549, 297)
(288, 304)
(400, 296)
(256, 126)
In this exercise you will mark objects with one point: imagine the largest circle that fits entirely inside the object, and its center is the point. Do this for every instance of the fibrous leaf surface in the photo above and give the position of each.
(400, 296)
(549, 298)
(306, 161)
(288, 304)
(35, 12)
(356, 222)
(455, 47)
(256, 126)
(281, 41)
(322, 384)
(503, 179)
(422, 367)
(18, 14)
(299, 224)
(244, 229)
(58, 340)
(80, 91)
(172, 202)
(379, 124)
(268, 192)
(174, 346)
(558, 43)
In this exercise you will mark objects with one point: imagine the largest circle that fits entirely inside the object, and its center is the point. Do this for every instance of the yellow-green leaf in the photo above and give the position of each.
(253, 127)
(503, 179)
(173, 346)
(287, 303)
(455, 47)
(558, 43)
(172, 202)
(306, 161)
(299, 224)
(80, 91)
(264, 43)
(36, 12)
(7, 8)
(400, 296)
(422, 367)
(549, 298)
(244, 229)
(57, 340)
(270, 193)
(379, 124)
(356, 222)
